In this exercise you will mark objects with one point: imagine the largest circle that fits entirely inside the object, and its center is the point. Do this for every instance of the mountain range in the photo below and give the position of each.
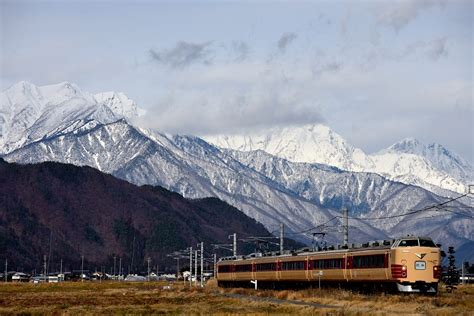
(409, 161)
(300, 176)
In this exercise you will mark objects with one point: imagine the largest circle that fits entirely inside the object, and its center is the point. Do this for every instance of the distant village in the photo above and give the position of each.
(98, 276)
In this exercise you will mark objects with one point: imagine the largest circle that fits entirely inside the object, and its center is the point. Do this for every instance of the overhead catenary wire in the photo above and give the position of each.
(437, 207)
(313, 228)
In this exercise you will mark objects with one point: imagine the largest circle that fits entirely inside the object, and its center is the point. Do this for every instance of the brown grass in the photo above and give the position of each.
(151, 298)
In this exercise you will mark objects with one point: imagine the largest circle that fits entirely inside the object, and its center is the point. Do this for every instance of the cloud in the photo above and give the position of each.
(286, 40)
(329, 67)
(202, 113)
(183, 54)
(434, 49)
(398, 14)
(241, 50)
(233, 97)
(437, 48)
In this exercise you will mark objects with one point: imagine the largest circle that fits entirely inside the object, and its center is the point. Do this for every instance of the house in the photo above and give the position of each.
(20, 277)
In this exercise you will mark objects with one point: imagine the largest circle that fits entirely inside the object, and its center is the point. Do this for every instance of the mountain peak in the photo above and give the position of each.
(60, 92)
(437, 155)
(120, 104)
(408, 145)
(22, 85)
(312, 143)
(29, 112)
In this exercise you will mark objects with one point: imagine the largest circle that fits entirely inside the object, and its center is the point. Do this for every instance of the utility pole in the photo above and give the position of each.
(462, 267)
(115, 257)
(44, 267)
(82, 268)
(202, 263)
(282, 236)
(234, 245)
(177, 268)
(6, 270)
(190, 266)
(346, 226)
(120, 268)
(195, 268)
(215, 266)
(61, 271)
(148, 263)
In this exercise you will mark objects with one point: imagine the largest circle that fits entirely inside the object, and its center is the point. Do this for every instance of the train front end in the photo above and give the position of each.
(415, 265)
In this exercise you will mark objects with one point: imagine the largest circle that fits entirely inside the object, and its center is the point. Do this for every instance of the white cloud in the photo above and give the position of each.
(397, 14)
(285, 40)
(183, 54)
(233, 97)
(437, 48)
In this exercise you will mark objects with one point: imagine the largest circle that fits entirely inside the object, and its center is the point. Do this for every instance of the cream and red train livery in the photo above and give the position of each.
(410, 264)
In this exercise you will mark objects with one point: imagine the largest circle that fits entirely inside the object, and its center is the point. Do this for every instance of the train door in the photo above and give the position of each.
(307, 268)
(344, 266)
(349, 265)
(278, 269)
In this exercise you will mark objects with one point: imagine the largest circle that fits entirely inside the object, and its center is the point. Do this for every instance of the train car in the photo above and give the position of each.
(409, 264)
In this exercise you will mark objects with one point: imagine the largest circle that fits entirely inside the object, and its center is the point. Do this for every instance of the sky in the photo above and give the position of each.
(374, 71)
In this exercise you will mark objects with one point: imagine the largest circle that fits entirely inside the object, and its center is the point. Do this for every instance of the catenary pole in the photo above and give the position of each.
(202, 264)
(215, 266)
(346, 226)
(82, 268)
(195, 267)
(234, 248)
(190, 266)
(282, 236)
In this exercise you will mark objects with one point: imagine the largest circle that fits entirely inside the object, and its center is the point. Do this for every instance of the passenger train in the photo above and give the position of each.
(409, 264)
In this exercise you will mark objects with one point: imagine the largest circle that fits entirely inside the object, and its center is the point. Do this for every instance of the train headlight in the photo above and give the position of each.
(404, 271)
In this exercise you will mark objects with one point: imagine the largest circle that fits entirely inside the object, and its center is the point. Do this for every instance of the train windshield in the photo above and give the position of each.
(427, 243)
(408, 243)
(412, 242)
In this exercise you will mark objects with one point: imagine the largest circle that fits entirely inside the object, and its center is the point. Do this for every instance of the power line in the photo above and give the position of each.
(438, 207)
(315, 227)
(457, 213)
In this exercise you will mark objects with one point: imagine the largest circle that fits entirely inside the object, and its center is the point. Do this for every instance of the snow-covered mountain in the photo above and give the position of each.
(120, 104)
(187, 165)
(431, 167)
(312, 143)
(29, 113)
(367, 195)
(437, 155)
(265, 187)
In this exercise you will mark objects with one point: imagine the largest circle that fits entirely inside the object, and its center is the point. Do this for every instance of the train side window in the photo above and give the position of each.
(243, 268)
(371, 261)
(293, 265)
(324, 264)
(266, 266)
(223, 269)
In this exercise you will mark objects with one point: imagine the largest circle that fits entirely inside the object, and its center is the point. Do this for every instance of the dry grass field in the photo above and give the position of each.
(152, 298)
